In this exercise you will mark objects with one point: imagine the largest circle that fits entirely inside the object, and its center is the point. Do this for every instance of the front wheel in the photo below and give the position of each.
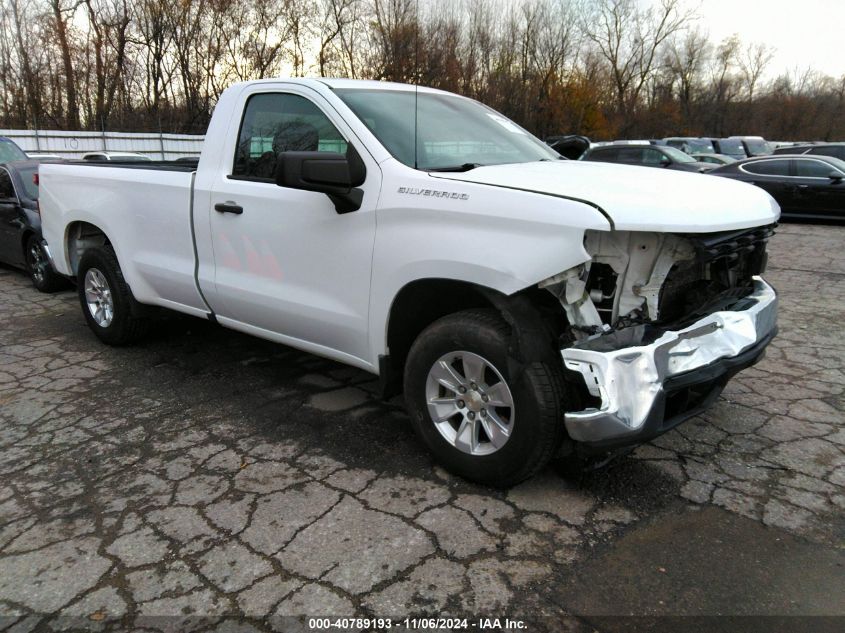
(41, 272)
(106, 299)
(479, 421)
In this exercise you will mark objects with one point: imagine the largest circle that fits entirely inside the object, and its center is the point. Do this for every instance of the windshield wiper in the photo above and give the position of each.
(464, 167)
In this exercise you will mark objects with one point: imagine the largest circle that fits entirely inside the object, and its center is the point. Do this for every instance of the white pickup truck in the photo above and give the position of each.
(524, 303)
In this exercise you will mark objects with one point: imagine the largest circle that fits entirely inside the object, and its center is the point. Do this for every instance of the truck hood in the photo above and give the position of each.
(638, 198)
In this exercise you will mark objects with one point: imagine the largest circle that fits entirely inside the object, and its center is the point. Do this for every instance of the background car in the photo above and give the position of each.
(804, 186)
(20, 225)
(570, 146)
(629, 141)
(754, 145)
(732, 147)
(691, 144)
(123, 157)
(714, 159)
(190, 160)
(837, 150)
(9, 150)
(793, 148)
(646, 156)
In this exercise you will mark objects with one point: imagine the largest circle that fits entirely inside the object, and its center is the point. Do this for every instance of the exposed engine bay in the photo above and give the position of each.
(661, 279)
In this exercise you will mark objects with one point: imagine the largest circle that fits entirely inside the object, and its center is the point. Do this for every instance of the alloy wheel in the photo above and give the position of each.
(470, 403)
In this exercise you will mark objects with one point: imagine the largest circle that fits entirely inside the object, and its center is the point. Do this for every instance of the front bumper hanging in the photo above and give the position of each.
(649, 381)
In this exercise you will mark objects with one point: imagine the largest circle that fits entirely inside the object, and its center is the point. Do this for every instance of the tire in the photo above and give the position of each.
(38, 266)
(534, 422)
(100, 283)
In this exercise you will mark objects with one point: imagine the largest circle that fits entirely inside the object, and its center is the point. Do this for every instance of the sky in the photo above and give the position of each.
(805, 33)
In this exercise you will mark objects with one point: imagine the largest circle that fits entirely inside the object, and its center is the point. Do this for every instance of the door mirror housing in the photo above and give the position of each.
(336, 175)
(836, 177)
(665, 162)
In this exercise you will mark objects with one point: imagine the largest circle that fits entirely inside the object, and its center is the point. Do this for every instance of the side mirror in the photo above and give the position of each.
(336, 175)
(665, 162)
(836, 177)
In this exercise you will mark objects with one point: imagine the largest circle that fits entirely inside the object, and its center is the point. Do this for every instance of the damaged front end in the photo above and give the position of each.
(658, 324)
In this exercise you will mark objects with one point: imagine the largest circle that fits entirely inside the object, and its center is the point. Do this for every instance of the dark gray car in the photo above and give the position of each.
(647, 156)
(20, 225)
(805, 186)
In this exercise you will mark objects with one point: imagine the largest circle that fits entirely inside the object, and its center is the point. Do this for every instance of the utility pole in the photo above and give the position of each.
(161, 139)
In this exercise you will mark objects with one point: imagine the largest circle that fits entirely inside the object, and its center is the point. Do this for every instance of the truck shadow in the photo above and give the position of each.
(284, 395)
(337, 410)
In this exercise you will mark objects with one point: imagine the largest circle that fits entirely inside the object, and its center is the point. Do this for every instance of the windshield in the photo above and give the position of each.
(9, 151)
(758, 146)
(453, 133)
(837, 162)
(731, 147)
(128, 158)
(677, 155)
(700, 146)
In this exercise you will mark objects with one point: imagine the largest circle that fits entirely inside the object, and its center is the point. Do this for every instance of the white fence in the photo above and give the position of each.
(156, 145)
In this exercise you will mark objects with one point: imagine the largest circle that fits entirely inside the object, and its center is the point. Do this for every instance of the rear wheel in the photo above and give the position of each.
(41, 272)
(106, 299)
(480, 421)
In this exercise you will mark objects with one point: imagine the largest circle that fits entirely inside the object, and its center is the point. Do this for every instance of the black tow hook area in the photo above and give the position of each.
(580, 462)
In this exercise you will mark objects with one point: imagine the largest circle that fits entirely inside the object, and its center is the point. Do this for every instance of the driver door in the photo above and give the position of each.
(817, 193)
(285, 261)
(10, 246)
(775, 176)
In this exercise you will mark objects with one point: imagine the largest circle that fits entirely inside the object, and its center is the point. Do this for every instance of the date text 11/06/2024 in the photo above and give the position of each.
(434, 624)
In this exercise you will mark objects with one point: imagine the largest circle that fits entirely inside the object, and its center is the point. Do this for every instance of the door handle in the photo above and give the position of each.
(803, 187)
(228, 207)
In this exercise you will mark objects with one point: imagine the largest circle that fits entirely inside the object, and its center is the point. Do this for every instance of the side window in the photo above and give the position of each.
(652, 157)
(768, 168)
(837, 151)
(603, 155)
(279, 122)
(7, 190)
(807, 168)
(9, 151)
(633, 155)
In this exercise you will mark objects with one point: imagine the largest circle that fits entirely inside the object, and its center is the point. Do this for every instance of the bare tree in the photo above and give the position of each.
(722, 87)
(687, 55)
(608, 68)
(340, 32)
(29, 97)
(395, 49)
(153, 37)
(752, 61)
(108, 21)
(629, 38)
(62, 12)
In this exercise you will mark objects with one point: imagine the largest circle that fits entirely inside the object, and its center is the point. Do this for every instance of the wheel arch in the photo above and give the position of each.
(27, 233)
(535, 318)
(80, 236)
(417, 305)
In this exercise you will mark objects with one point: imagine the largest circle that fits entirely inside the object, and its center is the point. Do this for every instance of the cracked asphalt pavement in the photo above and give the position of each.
(207, 480)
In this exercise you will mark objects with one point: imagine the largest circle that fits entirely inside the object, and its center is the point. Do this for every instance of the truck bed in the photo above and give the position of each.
(155, 165)
(143, 208)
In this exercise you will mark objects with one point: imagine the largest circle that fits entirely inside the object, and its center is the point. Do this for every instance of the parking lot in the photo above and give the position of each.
(204, 474)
